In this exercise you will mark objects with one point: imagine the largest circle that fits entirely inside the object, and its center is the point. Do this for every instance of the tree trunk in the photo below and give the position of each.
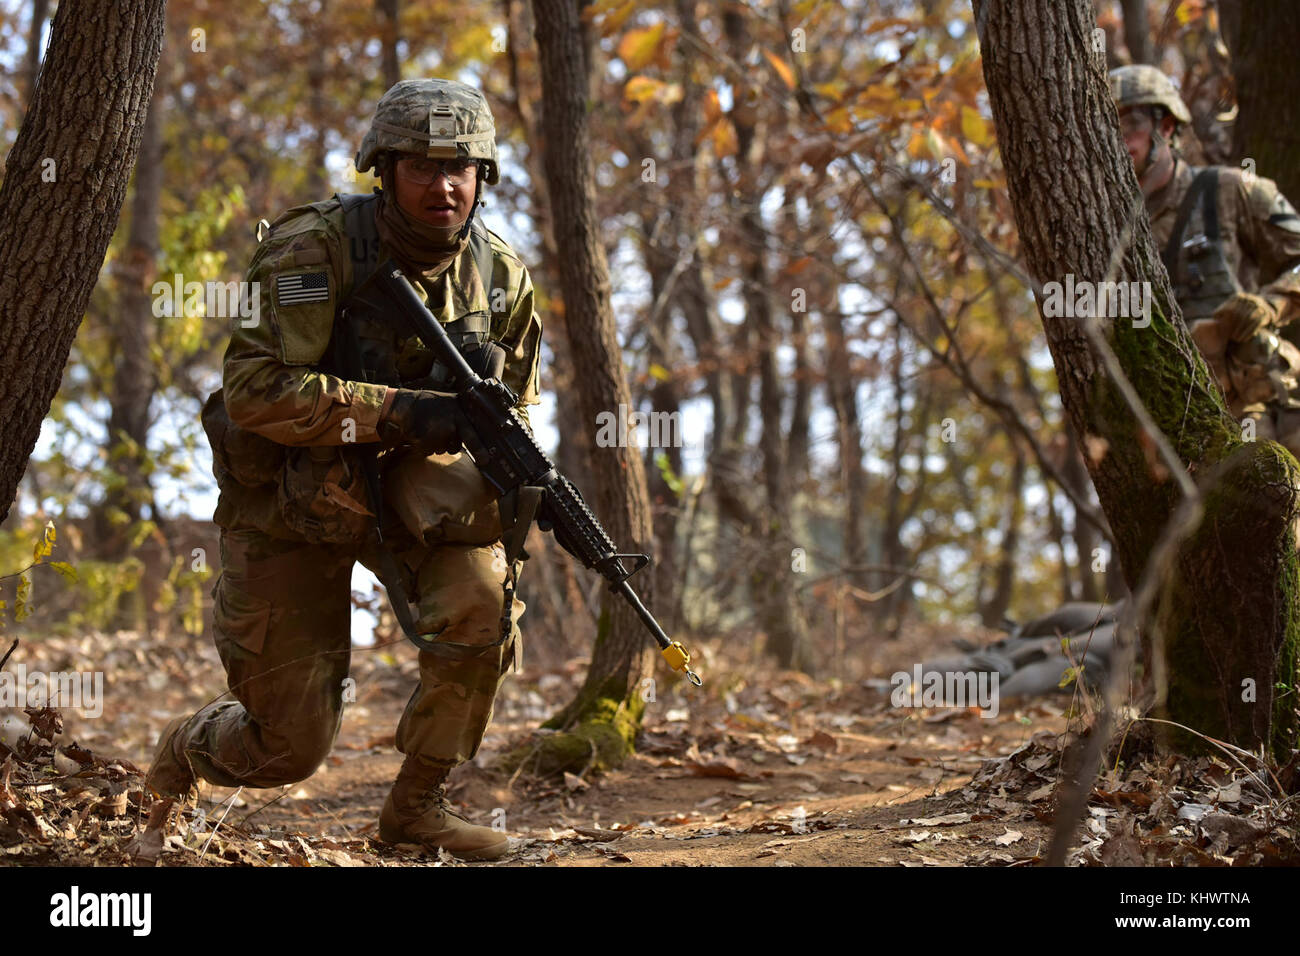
(1227, 605)
(316, 27)
(131, 332)
(771, 579)
(842, 391)
(1137, 30)
(390, 34)
(1086, 539)
(994, 611)
(606, 712)
(32, 66)
(1261, 37)
(83, 129)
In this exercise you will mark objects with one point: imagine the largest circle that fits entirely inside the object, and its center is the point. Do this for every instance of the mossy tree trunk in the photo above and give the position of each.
(65, 180)
(601, 721)
(1228, 602)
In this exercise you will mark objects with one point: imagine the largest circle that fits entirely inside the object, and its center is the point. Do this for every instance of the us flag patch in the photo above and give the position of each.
(303, 288)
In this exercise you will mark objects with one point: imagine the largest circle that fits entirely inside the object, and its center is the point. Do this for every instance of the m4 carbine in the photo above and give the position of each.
(516, 466)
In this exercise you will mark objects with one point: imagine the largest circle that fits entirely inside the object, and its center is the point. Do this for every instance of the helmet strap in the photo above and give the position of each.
(473, 208)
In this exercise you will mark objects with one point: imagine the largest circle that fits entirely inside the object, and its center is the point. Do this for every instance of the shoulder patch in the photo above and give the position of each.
(301, 288)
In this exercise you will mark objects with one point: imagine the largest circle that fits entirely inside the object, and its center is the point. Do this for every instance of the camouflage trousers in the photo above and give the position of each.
(282, 613)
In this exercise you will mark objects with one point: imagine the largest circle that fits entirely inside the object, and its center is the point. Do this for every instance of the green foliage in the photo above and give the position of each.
(670, 477)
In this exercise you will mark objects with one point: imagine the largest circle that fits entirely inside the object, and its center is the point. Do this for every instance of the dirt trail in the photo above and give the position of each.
(754, 769)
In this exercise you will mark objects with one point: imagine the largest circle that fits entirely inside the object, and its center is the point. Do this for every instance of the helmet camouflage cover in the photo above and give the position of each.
(1143, 85)
(434, 118)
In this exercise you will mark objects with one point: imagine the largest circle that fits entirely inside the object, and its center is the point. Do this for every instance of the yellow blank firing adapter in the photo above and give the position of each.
(678, 657)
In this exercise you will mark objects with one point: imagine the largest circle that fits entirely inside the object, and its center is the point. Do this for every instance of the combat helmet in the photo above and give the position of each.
(1143, 85)
(435, 118)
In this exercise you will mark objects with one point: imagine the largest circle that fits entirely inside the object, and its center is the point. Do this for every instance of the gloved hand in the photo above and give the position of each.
(429, 420)
(488, 360)
(1243, 315)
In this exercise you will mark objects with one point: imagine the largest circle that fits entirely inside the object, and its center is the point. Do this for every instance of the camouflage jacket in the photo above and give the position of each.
(275, 374)
(1259, 233)
(1257, 250)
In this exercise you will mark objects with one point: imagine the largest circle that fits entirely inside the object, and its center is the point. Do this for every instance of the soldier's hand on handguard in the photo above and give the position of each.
(429, 420)
(1243, 315)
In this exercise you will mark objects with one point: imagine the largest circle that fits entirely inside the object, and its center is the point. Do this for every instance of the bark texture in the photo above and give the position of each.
(1262, 37)
(87, 115)
(1228, 608)
(601, 710)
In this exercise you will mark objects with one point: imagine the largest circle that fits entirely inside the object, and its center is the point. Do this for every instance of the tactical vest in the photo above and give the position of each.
(332, 493)
(387, 357)
(1194, 256)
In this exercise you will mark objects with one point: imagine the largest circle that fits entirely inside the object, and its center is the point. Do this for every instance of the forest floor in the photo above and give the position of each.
(756, 768)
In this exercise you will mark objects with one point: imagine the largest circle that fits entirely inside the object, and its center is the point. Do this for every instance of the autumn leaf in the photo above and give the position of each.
(68, 572)
(637, 48)
(973, 127)
(712, 108)
(45, 545)
(881, 25)
(782, 68)
(724, 139)
(641, 88)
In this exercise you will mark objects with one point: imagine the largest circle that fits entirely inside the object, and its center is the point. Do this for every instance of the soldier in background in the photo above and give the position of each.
(290, 431)
(1231, 244)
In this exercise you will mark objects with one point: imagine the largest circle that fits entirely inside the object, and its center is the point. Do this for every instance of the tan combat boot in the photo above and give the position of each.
(170, 775)
(417, 811)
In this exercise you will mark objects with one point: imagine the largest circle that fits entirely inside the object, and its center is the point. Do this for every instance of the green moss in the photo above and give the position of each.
(601, 740)
(1221, 627)
(597, 729)
(1221, 622)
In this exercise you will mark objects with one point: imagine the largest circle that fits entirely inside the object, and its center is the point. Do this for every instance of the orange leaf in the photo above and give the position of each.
(712, 108)
(782, 68)
(641, 88)
(637, 48)
(724, 139)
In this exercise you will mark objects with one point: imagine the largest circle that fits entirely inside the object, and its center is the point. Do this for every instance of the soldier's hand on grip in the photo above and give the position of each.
(1243, 315)
(429, 420)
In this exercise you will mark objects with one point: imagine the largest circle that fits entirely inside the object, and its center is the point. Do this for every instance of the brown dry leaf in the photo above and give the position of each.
(145, 847)
(574, 782)
(1008, 838)
(947, 819)
(713, 765)
(822, 741)
(605, 836)
(339, 858)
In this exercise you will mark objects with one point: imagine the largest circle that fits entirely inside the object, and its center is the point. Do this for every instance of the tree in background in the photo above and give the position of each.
(65, 181)
(1205, 523)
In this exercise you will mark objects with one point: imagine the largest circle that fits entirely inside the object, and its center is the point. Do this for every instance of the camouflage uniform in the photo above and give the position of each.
(1240, 234)
(1258, 250)
(282, 601)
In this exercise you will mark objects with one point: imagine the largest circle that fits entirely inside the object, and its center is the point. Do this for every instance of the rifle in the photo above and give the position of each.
(516, 466)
